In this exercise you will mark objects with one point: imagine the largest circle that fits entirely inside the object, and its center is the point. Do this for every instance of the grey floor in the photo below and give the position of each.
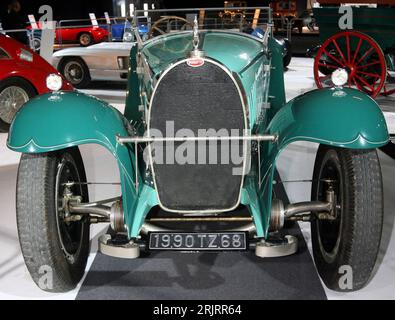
(211, 276)
(294, 163)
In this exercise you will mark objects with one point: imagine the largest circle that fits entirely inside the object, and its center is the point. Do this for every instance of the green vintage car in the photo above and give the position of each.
(205, 121)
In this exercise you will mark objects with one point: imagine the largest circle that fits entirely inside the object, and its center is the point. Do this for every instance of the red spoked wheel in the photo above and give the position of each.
(359, 55)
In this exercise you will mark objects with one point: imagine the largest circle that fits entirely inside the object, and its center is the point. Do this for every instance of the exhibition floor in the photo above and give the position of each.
(198, 276)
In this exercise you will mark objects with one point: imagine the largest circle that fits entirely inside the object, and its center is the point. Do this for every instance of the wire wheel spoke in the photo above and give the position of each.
(340, 52)
(369, 64)
(374, 75)
(357, 50)
(365, 83)
(327, 65)
(333, 58)
(366, 54)
(348, 48)
(11, 100)
(355, 82)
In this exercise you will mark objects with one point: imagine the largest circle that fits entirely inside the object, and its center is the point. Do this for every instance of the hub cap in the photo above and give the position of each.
(85, 39)
(329, 231)
(11, 100)
(70, 234)
(74, 72)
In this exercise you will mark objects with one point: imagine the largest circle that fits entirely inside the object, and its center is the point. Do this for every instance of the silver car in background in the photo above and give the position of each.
(103, 61)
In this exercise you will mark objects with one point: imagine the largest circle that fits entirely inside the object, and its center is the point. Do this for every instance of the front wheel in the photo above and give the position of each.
(85, 39)
(37, 44)
(345, 248)
(288, 53)
(55, 249)
(75, 71)
(357, 54)
(14, 93)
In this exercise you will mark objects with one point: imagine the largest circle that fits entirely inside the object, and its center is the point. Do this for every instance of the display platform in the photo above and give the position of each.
(204, 276)
(196, 276)
(210, 275)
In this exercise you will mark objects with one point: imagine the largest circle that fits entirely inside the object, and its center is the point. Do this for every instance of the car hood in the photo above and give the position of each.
(233, 49)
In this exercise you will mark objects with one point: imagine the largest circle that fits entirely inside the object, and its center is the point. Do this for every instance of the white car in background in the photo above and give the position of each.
(103, 61)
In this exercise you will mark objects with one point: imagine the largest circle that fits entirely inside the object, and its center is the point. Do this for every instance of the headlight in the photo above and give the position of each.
(339, 77)
(26, 55)
(54, 82)
(128, 37)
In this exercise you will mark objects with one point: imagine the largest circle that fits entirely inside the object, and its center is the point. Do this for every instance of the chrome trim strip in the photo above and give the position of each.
(151, 227)
(263, 137)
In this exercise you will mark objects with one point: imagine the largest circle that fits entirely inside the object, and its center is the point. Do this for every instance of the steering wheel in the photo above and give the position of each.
(164, 25)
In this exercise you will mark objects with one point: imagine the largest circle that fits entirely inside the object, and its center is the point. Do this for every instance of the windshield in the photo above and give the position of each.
(250, 20)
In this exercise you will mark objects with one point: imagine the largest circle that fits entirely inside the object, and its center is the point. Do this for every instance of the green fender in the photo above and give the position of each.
(340, 117)
(60, 120)
(344, 118)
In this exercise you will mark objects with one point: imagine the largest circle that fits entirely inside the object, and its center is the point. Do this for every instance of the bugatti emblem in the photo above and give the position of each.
(195, 62)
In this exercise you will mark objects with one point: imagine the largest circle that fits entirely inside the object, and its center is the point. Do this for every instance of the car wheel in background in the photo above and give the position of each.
(54, 248)
(345, 248)
(365, 65)
(37, 44)
(75, 71)
(85, 39)
(287, 50)
(14, 92)
(288, 54)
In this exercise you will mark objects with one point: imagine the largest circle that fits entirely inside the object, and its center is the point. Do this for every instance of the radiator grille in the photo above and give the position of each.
(197, 98)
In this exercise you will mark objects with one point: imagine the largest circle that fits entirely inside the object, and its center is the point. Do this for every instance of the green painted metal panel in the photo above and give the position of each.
(52, 121)
(234, 51)
(338, 117)
(276, 85)
(341, 117)
(60, 120)
(241, 54)
(133, 98)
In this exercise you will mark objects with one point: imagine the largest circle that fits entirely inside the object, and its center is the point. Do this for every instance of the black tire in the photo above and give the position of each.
(353, 239)
(37, 44)
(85, 39)
(82, 77)
(288, 56)
(22, 84)
(44, 237)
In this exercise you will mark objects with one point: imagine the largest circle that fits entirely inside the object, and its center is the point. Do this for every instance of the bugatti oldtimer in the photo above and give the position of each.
(205, 121)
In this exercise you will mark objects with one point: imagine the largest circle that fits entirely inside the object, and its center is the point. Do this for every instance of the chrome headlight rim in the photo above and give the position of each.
(54, 82)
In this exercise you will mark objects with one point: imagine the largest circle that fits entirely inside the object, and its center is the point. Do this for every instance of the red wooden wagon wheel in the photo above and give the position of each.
(359, 55)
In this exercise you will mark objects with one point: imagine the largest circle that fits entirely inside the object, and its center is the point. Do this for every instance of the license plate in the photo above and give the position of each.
(216, 241)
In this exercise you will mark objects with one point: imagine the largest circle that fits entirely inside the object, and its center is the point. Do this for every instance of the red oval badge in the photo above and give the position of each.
(195, 62)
